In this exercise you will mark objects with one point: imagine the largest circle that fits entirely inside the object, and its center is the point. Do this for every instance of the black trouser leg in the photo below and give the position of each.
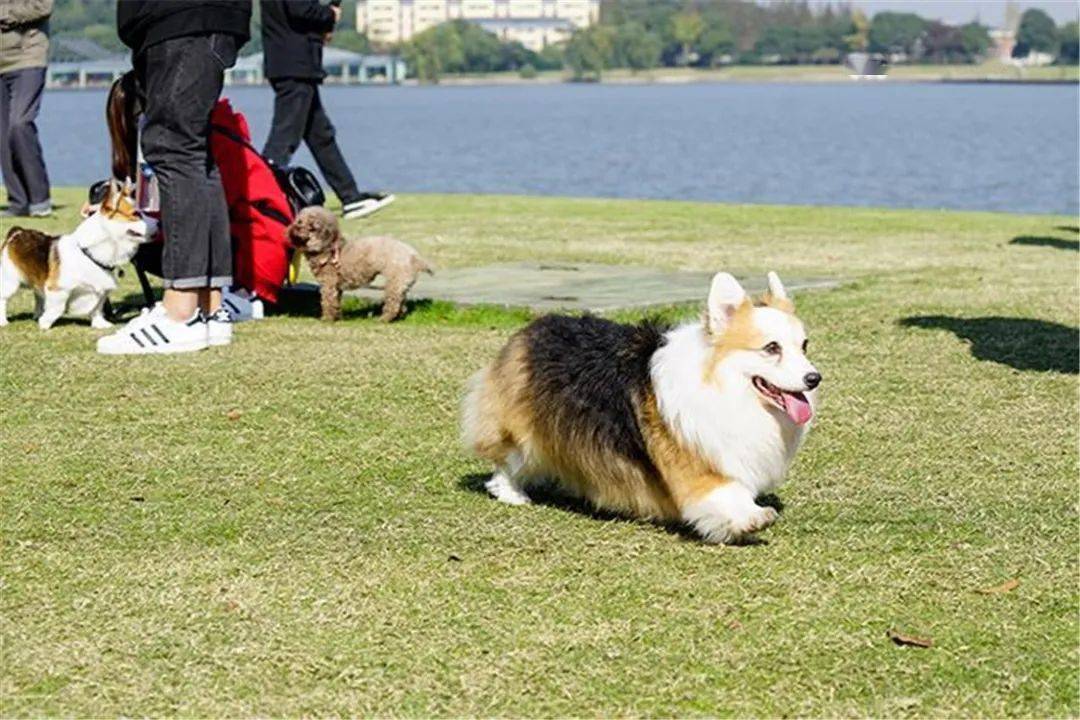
(21, 158)
(18, 202)
(181, 79)
(292, 105)
(321, 137)
(299, 115)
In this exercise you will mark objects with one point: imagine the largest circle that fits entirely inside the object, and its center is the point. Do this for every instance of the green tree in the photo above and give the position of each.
(433, 52)
(452, 47)
(515, 56)
(835, 28)
(791, 44)
(588, 52)
(105, 36)
(550, 58)
(943, 43)
(686, 28)
(975, 40)
(892, 32)
(482, 50)
(717, 41)
(349, 39)
(636, 47)
(74, 16)
(1037, 33)
(859, 38)
(1070, 43)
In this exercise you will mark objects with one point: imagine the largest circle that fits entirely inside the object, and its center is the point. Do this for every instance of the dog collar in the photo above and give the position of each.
(107, 268)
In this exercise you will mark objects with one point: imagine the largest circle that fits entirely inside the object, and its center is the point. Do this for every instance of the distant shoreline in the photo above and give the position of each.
(989, 73)
(793, 80)
(986, 73)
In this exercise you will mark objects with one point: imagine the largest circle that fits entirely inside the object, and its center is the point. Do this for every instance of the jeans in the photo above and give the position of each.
(21, 160)
(299, 113)
(180, 81)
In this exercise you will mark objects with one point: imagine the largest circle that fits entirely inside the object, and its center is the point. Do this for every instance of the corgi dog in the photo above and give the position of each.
(73, 273)
(687, 424)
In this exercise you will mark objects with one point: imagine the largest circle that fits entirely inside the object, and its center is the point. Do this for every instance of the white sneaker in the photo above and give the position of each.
(366, 204)
(219, 327)
(242, 305)
(154, 333)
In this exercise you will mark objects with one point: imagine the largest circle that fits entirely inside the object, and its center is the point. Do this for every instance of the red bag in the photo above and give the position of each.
(259, 210)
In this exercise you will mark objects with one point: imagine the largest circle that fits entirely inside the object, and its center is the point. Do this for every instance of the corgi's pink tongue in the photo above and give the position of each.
(797, 408)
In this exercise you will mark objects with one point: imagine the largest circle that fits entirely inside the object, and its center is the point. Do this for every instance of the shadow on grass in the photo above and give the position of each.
(1046, 241)
(1020, 343)
(56, 207)
(62, 321)
(297, 302)
(303, 301)
(546, 495)
(1068, 228)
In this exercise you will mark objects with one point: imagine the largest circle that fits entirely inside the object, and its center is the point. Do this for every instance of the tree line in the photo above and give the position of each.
(645, 34)
(96, 20)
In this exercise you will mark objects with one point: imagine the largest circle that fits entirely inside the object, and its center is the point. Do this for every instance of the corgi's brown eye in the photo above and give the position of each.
(772, 348)
(804, 344)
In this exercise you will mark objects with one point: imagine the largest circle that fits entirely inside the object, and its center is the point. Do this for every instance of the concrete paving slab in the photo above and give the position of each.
(548, 286)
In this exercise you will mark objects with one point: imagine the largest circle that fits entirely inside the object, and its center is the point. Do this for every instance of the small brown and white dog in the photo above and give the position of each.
(73, 273)
(687, 424)
(340, 264)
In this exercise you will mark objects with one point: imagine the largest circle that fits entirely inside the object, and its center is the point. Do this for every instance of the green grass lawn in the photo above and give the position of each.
(288, 526)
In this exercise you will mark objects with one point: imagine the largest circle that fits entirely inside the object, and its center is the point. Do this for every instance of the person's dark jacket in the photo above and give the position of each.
(292, 35)
(142, 23)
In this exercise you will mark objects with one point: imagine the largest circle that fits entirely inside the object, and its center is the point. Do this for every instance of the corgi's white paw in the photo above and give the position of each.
(728, 514)
(4, 322)
(503, 489)
(758, 520)
(100, 323)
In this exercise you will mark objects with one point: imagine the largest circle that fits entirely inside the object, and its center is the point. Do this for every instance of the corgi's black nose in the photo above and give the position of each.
(812, 380)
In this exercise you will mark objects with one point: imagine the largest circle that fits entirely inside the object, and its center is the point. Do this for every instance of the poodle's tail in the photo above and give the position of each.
(422, 265)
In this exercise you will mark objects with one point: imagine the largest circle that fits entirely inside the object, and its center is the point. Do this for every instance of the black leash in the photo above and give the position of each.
(107, 268)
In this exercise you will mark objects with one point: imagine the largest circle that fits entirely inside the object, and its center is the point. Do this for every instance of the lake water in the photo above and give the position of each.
(975, 147)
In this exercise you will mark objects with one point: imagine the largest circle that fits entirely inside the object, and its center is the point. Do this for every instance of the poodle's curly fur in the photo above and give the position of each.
(340, 264)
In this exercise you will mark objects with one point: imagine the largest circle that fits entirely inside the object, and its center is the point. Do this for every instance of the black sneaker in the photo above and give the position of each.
(366, 204)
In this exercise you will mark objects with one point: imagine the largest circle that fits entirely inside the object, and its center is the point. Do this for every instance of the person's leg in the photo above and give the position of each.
(27, 88)
(182, 82)
(320, 137)
(221, 260)
(292, 105)
(18, 202)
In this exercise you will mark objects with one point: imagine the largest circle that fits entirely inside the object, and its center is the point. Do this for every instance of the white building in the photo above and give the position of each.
(533, 23)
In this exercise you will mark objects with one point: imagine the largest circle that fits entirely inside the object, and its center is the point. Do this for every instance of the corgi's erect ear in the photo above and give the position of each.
(725, 297)
(776, 288)
(777, 297)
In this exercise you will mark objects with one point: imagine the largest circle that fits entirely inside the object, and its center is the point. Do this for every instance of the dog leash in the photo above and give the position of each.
(110, 269)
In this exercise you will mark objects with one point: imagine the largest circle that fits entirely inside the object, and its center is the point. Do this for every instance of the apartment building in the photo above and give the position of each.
(533, 23)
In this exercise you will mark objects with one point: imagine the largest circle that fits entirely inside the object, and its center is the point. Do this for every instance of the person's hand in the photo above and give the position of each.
(327, 38)
(336, 9)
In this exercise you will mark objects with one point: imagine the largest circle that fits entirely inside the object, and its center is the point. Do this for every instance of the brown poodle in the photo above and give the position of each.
(340, 264)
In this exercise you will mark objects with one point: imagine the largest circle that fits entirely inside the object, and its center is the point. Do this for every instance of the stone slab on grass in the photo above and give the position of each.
(546, 286)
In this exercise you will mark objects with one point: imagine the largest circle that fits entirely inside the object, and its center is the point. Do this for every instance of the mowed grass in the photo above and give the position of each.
(289, 526)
